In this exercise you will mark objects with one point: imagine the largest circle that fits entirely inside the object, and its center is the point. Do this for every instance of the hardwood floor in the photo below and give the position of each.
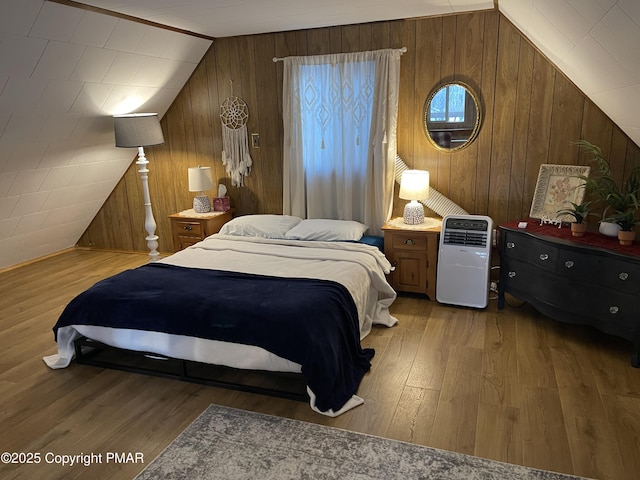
(509, 385)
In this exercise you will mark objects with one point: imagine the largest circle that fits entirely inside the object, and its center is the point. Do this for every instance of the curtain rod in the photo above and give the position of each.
(279, 59)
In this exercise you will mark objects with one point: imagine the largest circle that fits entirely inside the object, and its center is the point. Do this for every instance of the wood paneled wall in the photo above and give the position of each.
(531, 116)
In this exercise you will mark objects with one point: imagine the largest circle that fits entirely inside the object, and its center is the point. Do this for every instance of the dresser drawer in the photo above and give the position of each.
(526, 280)
(579, 266)
(189, 229)
(409, 241)
(527, 249)
(600, 270)
(612, 311)
(622, 276)
(615, 312)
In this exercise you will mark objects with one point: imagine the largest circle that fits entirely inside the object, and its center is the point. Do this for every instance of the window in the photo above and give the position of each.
(339, 114)
(336, 108)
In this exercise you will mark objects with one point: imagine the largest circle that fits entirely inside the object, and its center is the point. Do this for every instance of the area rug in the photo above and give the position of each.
(230, 444)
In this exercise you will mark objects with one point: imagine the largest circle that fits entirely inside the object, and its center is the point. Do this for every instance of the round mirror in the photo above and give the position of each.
(452, 116)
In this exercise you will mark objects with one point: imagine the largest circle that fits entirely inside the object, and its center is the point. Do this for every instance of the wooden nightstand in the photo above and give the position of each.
(188, 227)
(413, 251)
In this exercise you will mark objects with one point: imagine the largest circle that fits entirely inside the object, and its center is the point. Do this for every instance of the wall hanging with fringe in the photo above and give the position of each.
(235, 146)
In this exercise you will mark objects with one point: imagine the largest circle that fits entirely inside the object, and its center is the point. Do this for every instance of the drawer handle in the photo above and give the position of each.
(188, 228)
(613, 309)
(511, 245)
(544, 256)
(568, 263)
(623, 276)
(408, 241)
(511, 274)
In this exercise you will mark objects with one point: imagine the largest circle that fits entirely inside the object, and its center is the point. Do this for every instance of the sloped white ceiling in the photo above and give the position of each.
(225, 18)
(595, 43)
(65, 71)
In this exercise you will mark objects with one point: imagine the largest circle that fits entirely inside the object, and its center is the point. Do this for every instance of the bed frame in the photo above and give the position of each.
(287, 385)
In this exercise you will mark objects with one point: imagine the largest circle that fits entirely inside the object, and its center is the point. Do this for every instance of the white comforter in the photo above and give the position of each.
(359, 268)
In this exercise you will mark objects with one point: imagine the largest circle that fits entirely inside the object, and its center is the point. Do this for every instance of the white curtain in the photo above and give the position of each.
(340, 116)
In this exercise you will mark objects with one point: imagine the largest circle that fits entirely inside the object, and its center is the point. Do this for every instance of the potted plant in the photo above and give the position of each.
(626, 221)
(579, 212)
(622, 199)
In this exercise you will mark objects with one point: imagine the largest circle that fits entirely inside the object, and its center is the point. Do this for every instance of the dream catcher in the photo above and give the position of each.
(235, 147)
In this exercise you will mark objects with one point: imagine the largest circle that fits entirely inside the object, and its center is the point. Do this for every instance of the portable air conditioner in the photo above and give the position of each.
(464, 260)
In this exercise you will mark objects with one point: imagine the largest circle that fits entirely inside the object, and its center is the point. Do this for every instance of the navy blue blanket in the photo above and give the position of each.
(310, 322)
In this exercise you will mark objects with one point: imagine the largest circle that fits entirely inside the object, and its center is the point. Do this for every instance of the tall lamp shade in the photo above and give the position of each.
(200, 179)
(414, 186)
(139, 130)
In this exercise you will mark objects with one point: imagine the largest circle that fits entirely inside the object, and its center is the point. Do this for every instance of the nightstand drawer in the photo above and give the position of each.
(190, 229)
(184, 242)
(409, 241)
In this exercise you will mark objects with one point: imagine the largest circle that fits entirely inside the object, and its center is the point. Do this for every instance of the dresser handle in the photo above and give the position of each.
(568, 263)
(623, 276)
(544, 256)
(511, 245)
(188, 228)
(511, 274)
(613, 309)
(408, 241)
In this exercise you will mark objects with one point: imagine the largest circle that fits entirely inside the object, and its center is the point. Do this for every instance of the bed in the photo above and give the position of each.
(270, 293)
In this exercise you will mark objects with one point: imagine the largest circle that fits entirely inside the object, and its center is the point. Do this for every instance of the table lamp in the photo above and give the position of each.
(200, 179)
(414, 186)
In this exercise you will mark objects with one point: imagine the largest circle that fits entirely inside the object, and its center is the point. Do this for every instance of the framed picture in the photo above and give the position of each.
(557, 186)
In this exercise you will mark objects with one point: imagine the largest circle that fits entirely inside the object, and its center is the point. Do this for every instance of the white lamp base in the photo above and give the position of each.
(413, 213)
(201, 204)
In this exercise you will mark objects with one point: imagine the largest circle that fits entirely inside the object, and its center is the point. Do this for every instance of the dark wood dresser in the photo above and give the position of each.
(586, 281)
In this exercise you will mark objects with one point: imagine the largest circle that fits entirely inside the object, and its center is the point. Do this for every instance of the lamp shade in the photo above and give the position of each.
(414, 185)
(200, 179)
(137, 130)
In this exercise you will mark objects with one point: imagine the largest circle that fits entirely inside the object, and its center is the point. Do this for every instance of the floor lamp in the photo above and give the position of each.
(139, 130)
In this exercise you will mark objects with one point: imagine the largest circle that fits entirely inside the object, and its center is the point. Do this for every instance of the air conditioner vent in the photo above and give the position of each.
(468, 231)
(462, 237)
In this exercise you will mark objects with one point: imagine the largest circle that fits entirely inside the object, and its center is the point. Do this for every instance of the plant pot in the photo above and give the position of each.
(626, 237)
(609, 229)
(578, 229)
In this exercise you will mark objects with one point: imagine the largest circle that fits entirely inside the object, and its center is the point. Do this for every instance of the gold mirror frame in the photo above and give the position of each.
(438, 136)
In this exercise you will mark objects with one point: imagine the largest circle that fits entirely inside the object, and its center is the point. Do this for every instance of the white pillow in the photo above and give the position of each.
(266, 226)
(327, 230)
